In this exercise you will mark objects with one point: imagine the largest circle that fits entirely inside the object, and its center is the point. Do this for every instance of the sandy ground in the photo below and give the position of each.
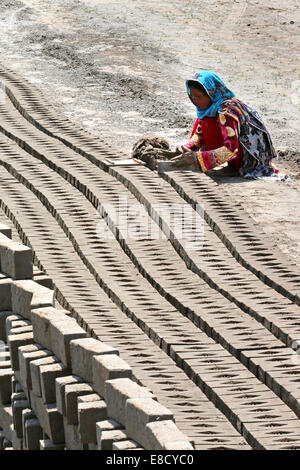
(118, 69)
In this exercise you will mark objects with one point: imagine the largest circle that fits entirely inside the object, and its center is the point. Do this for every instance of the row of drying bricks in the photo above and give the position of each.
(23, 94)
(57, 383)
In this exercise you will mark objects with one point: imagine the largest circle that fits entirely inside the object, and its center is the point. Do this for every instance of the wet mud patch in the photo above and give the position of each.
(291, 160)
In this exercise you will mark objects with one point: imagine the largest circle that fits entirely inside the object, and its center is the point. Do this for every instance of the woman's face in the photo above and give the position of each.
(200, 99)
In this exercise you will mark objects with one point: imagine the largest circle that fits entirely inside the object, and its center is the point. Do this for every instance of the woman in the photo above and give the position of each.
(226, 130)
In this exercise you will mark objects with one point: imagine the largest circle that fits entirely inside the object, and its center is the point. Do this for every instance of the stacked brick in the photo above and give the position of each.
(60, 389)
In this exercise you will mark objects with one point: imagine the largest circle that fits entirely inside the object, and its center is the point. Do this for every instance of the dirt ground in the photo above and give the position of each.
(118, 69)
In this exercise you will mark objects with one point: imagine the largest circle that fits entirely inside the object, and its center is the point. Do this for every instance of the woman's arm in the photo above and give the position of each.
(196, 141)
(209, 159)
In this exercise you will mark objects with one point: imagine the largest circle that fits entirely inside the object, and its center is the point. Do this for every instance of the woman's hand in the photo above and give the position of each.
(187, 158)
(168, 153)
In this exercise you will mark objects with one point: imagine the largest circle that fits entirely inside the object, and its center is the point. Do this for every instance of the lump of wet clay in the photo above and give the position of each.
(152, 150)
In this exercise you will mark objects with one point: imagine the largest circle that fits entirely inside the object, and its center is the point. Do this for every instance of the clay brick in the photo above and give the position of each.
(27, 295)
(140, 412)
(5, 385)
(72, 391)
(26, 355)
(92, 446)
(20, 330)
(6, 230)
(17, 407)
(118, 391)
(164, 435)
(16, 442)
(43, 280)
(5, 294)
(62, 333)
(15, 259)
(16, 341)
(33, 432)
(5, 364)
(50, 419)
(47, 444)
(27, 413)
(60, 384)
(6, 420)
(3, 316)
(41, 319)
(106, 439)
(108, 367)
(108, 425)
(126, 445)
(4, 353)
(35, 372)
(82, 351)
(88, 398)
(88, 414)
(2, 437)
(48, 374)
(10, 320)
(15, 385)
(72, 437)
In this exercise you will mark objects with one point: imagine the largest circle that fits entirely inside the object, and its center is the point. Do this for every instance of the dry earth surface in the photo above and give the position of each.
(118, 69)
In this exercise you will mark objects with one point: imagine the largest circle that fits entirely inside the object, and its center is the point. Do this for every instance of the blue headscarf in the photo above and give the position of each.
(216, 90)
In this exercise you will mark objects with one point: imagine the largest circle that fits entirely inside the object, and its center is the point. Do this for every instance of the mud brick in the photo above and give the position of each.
(72, 437)
(5, 230)
(141, 411)
(50, 419)
(20, 330)
(35, 372)
(10, 321)
(72, 391)
(27, 295)
(106, 439)
(33, 433)
(43, 280)
(108, 425)
(26, 355)
(108, 367)
(47, 444)
(48, 374)
(4, 354)
(17, 442)
(16, 325)
(88, 398)
(3, 316)
(41, 319)
(2, 437)
(62, 333)
(164, 435)
(14, 342)
(17, 407)
(18, 396)
(118, 391)
(15, 385)
(15, 259)
(4, 364)
(27, 413)
(92, 446)
(5, 385)
(60, 384)
(82, 351)
(6, 420)
(126, 445)
(5, 294)
(88, 414)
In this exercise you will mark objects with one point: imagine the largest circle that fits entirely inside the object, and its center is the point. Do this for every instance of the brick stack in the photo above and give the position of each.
(60, 389)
